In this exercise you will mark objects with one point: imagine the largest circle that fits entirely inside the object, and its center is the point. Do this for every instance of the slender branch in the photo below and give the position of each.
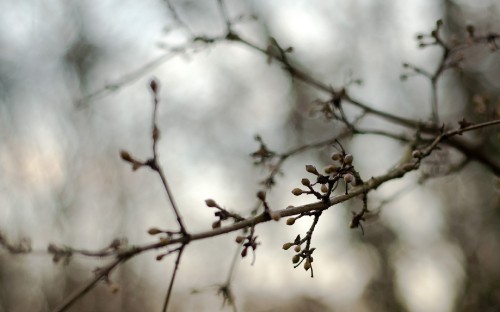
(155, 165)
(172, 279)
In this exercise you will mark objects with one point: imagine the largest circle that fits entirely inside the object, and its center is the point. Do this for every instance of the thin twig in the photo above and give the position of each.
(172, 279)
(155, 165)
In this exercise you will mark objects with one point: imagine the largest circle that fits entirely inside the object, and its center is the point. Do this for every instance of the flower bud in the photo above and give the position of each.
(154, 231)
(287, 246)
(290, 221)
(126, 156)
(312, 169)
(261, 195)
(216, 224)
(297, 191)
(324, 188)
(210, 203)
(348, 159)
(307, 265)
(416, 154)
(305, 182)
(348, 178)
(336, 156)
(330, 169)
(239, 239)
(295, 258)
(297, 248)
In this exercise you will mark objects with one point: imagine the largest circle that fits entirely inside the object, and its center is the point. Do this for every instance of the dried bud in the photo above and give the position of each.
(261, 195)
(348, 178)
(416, 154)
(295, 258)
(159, 257)
(216, 224)
(126, 156)
(348, 159)
(210, 203)
(336, 156)
(297, 248)
(244, 252)
(290, 221)
(324, 188)
(239, 239)
(154, 231)
(154, 85)
(297, 191)
(305, 182)
(287, 246)
(311, 169)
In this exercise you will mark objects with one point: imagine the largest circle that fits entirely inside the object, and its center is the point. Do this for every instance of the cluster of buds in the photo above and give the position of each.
(60, 253)
(433, 38)
(221, 214)
(301, 256)
(341, 168)
(263, 155)
(249, 241)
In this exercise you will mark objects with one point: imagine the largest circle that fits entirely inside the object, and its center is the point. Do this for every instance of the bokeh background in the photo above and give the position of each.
(74, 91)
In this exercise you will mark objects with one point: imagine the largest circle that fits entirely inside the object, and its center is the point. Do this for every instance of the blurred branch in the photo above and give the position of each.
(172, 279)
(318, 206)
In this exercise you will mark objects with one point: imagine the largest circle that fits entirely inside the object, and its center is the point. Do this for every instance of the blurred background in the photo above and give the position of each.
(74, 79)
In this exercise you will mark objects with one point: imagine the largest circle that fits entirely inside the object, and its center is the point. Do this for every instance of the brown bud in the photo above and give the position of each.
(126, 156)
(154, 231)
(312, 169)
(305, 182)
(324, 188)
(239, 239)
(297, 248)
(165, 240)
(216, 224)
(348, 159)
(330, 169)
(307, 265)
(297, 191)
(154, 85)
(290, 221)
(336, 156)
(287, 246)
(295, 258)
(261, 195)
(210, 203)
(416, 154)
(348, 178)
